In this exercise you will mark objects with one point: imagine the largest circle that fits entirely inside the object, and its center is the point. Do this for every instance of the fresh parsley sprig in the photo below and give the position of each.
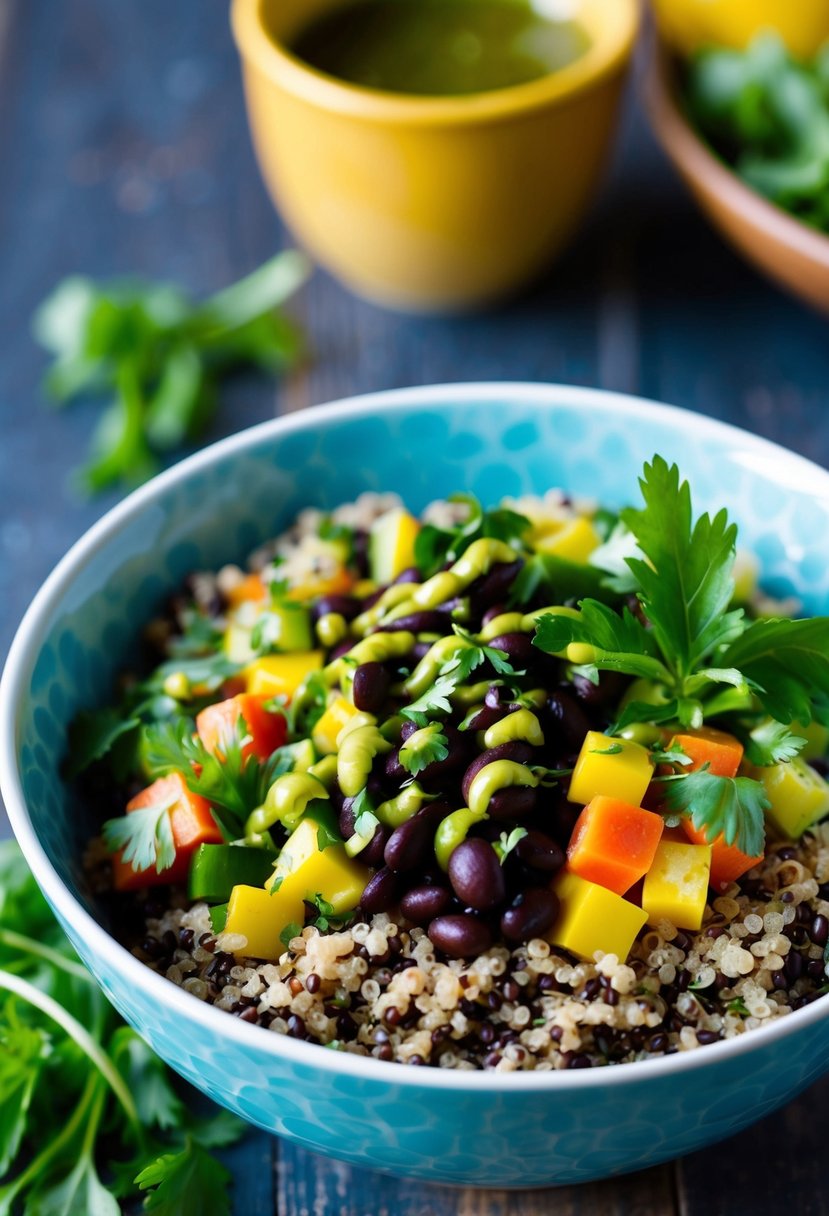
(157, 358)
(145, 836)
(89, 1115)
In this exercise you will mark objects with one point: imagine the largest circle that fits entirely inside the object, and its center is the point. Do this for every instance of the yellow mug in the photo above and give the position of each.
(690, 24)
(430, 203)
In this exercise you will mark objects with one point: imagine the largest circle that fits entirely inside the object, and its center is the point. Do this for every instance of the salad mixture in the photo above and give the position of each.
(539, 786)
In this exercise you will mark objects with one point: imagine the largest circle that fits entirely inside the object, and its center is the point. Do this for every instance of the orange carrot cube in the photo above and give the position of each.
(613, 843)
(249, 589)
(216, 726)
(719, 750)
(192, 824)
(728, 863)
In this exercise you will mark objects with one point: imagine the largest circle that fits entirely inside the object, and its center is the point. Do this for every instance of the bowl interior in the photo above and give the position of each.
(492, 440)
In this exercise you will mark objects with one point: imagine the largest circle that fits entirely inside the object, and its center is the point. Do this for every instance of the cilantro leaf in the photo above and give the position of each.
(619, 641)
(187, 1183)
(289, 933)
(507, 842)
(435, 700)
(788, 661)
(771, 743)
(144, 835)
(685, 575)
(426, 746)
(732, 806)
(434, 547)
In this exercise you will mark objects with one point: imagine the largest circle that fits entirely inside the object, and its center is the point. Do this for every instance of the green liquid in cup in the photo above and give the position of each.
(439, 48)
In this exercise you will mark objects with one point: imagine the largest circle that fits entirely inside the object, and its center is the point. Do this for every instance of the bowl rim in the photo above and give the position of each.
(156, 988)
(699, 164)
(605, 55)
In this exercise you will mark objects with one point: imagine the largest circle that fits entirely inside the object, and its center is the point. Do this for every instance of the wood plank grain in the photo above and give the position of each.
(309, 1185)
(778, 1165)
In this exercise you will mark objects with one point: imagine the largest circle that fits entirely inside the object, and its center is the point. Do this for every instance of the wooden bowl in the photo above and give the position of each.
(794, 255)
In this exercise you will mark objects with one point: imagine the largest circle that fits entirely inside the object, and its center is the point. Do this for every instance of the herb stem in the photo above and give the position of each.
(37, 1165)
(28, 945)
(93, 1050)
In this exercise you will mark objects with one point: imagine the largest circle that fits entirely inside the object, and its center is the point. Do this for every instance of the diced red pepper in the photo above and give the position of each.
(217, 723)
(192, 824)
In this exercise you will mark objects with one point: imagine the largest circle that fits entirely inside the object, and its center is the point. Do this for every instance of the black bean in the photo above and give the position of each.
(342, 649)
(410, 575)
(815, 969)
(296, 1026)
(522, 753)
(380, 892)
(371, 686)
(347, 606)
(779, 980)
(476, 874)
(569, 720)
(374, 851)
(410, 843)
(426, 621)
(152, 947)
(460, 936)
(420, 650)
(682, 942)
(458, 751)
(494, 586)
(787, 853)
(423, 904)
(540, 852)
(513, 803)
(707, 1036)
(487, 716)
(531, 915)
(820, 930)
(580, 1061)
(313, 983)
(491, 613)
(793, 965)
(518, 648)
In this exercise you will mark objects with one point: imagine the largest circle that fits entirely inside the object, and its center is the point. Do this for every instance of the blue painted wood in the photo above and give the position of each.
(123, 148)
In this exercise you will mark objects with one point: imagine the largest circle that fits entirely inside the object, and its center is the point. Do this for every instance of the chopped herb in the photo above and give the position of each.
(436, 546)
(426, 746)
(326, 837)
(731, 806)
(615, 749)
(145, 836)
(474, 655)
(289, 933)
(435, 700)
(507, 842)
(737, 1005)
(772, 743)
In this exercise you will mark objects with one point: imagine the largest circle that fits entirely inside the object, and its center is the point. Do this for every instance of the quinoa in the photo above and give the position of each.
(379, 988)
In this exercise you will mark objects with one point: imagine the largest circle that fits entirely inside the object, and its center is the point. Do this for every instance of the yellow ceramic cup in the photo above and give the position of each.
(690, 24)
(431, 204)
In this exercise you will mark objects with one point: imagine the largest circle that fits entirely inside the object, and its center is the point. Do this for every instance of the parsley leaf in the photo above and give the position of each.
(771, 743)
(426, 746)
(732, 806)
(507, 842)
(475, 653)
(187, 1183)
(788, 661)
(289, 933)
(685, 573)
(435, 700)
(145, 836)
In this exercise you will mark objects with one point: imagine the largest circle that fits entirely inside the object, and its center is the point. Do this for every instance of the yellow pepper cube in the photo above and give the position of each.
(816, 736)
(391, 545)
(304, 870)
(574, 540)
(676, 885)
(260, 918)
(615, 768)
(591, 918)
(280, 675)
(338, 714)
(798, 795)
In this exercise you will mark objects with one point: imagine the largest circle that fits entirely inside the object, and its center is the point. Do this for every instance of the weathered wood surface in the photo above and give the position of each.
(123, 148)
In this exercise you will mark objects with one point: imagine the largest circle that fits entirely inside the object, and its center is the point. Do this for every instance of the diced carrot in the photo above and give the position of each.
(339, 582)
(251, 588)
(216, 725)
(613, 843)
(719, 750)
(728, 863)
(192, 824)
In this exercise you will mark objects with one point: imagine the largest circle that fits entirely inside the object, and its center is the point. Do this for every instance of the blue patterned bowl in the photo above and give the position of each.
(457, 1127)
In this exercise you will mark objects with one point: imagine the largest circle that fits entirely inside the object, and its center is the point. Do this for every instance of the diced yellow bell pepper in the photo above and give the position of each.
(574, 540)
(676, 885)
(816, 736)
(592, 918)
(260, 918)
(391, 545)
(338, 714)
(798, 795)
(616, 768)
(306, 870)
(280, 675)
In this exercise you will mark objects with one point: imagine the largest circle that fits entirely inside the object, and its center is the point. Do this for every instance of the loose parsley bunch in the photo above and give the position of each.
(706, 658)
(89, 1117)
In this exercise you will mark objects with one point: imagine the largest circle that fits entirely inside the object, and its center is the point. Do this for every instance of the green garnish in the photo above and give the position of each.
(157, 358)
(145, 835)
(436, 546)
(732, 806)
(474, 655)
(426, 746)
(737, 1005)
(289, 933)
(772, 743)
(435, 700)
(89, 1114)
(507, 842)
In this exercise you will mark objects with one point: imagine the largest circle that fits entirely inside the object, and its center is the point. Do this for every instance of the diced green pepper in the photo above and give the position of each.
(218, 868)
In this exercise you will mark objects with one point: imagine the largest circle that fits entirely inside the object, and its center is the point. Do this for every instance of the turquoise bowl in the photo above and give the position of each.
(519, 1130)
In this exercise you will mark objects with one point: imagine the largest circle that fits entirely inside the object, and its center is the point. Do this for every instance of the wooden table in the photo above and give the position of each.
(124, 148)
